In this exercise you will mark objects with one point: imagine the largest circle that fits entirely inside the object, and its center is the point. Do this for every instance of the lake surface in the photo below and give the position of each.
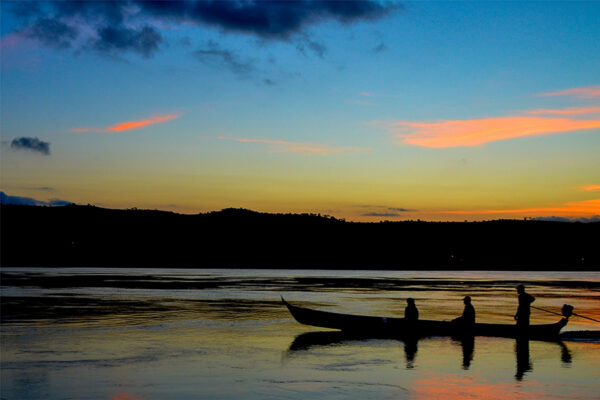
(122, 334)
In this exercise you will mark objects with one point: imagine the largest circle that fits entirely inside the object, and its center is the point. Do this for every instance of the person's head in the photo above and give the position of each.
(520, 289)
(467, 300)
(410, 301)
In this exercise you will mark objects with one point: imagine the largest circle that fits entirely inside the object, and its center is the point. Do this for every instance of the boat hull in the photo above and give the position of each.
(399, 327)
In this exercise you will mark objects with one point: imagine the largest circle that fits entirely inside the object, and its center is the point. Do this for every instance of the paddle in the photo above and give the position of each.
(567, 311)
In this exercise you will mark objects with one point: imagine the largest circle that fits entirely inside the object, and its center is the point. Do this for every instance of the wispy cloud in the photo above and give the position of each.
(297, 147)
(590, 188)
(474, 132)
(381, 214)
(479, 131)
(379, 48)
(212, 53)
(128, 125)
(384, 211)
(588, 92)
(367, 94)
(575, 208)
(567, 111)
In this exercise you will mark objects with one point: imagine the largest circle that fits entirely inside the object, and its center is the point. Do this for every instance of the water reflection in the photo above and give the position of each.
(410, 351)
(565, 354)
(467, 344)
(309, 340)
(220, 334)
(523, 360)
(524, 365)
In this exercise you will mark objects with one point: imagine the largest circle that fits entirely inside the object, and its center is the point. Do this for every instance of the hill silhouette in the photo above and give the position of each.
(88, 236)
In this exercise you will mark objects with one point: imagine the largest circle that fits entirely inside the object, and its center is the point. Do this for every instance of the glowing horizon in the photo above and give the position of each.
(383, 112)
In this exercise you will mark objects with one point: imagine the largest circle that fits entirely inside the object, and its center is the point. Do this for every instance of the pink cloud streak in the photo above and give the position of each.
(128, 125)
(568, 111)
(588, 92)
(479, 131)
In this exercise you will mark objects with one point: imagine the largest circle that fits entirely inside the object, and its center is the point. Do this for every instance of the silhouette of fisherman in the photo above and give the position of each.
(410, 312)
(467, 319)
(523, 311)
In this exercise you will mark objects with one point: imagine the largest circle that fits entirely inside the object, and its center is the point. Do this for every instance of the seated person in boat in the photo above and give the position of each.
(468, 316)
(523, 311)
(410, 312)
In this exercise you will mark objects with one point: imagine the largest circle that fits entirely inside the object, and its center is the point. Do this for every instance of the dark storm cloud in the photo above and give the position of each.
(51, 32)
(114, 26)
(26, 9)
(267, 19)
(144, 41)
(29, 143)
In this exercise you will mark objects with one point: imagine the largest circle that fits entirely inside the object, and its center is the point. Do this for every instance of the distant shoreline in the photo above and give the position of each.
(86, 236)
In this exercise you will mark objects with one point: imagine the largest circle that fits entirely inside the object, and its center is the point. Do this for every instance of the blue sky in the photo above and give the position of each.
(307, 112)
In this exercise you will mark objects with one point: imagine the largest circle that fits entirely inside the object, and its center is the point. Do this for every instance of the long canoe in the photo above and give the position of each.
(399, 327)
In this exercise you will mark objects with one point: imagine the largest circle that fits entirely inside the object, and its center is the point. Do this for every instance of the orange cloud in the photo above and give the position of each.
(568, 111)
(129, 125)
(479, 131)
(588, 92)
(366, 94)
(590, 188)
(572, 209)
(295, 147)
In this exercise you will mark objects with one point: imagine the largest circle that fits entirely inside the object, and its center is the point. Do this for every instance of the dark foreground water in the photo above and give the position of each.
(119, 334)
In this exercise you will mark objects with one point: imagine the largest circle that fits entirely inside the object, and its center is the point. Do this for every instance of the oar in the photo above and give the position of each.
(568, 312)
(591, 319)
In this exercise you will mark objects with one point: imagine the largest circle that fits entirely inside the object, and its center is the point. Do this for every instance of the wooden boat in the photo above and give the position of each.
(399, 327)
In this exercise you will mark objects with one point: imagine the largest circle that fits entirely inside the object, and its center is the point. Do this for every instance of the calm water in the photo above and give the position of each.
(121, 334)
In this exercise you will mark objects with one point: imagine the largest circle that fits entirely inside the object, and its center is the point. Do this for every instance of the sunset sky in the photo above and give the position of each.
(362, 110)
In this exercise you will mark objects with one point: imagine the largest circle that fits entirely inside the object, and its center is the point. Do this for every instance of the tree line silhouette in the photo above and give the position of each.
(88, 236)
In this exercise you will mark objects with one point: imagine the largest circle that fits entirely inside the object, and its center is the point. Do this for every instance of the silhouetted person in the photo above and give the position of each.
(410, 312)
(467, 319)
(523, 361)
(523, 311)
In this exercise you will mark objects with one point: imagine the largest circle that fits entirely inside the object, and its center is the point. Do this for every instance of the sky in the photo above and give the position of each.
(368, 111)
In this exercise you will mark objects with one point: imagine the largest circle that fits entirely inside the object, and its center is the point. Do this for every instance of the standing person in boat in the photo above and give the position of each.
(410, 312)
(523, 311)
(467, 319)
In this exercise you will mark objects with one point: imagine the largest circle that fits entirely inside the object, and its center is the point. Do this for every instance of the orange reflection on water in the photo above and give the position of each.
(125, 396)
(455, 387)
